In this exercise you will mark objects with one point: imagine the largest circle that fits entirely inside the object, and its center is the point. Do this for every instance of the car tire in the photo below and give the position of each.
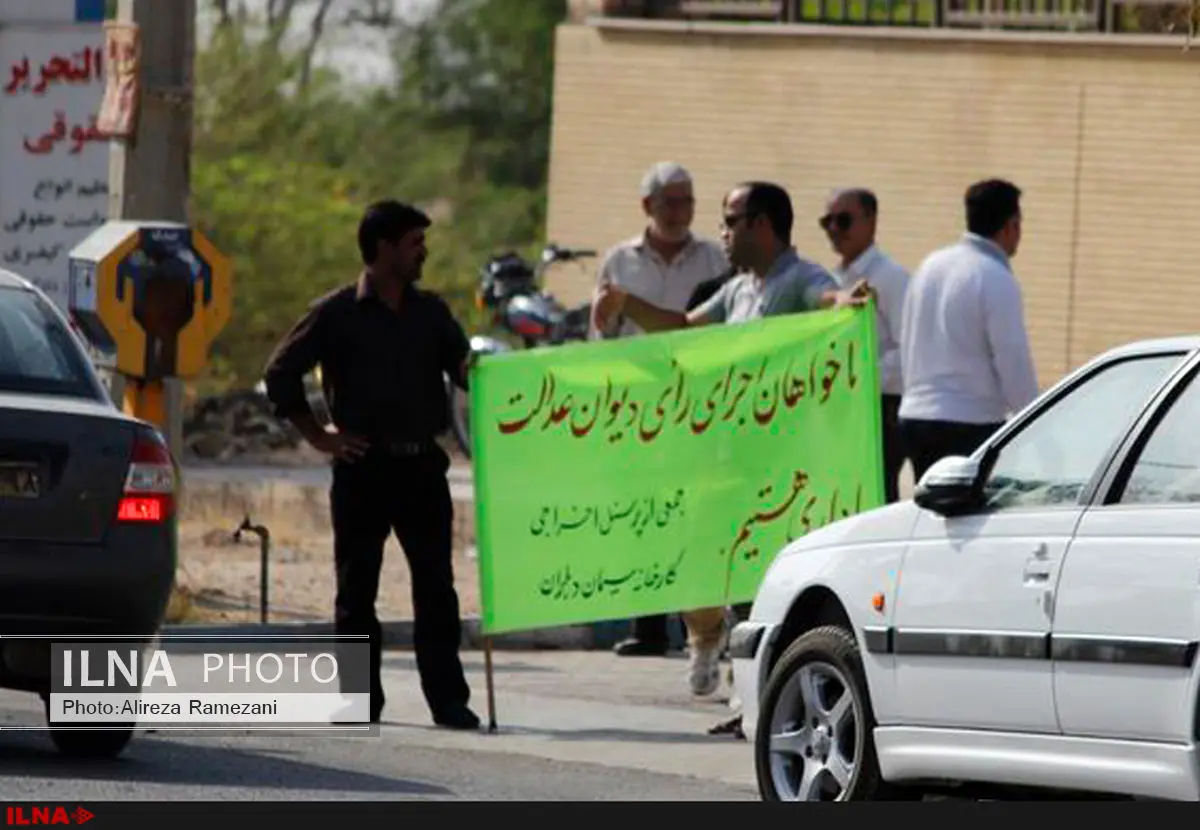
(819, 755)
(90, 744)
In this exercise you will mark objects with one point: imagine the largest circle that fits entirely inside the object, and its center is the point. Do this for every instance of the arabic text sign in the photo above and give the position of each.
(663, 473)
(53, 161)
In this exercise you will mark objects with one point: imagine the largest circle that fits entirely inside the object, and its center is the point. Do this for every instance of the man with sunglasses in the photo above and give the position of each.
(772, 279)
(850, 222)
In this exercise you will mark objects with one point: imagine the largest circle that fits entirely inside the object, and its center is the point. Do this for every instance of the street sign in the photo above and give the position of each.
(155, 293)
(53, 159)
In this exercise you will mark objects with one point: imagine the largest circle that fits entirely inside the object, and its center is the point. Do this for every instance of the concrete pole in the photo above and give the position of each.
(150, 177)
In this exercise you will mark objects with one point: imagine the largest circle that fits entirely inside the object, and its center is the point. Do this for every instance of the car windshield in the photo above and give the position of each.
(38, 354)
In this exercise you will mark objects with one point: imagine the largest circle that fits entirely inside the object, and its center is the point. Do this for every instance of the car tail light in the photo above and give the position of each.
(150, 483)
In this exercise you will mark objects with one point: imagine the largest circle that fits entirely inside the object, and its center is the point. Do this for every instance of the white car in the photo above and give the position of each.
(1030, 619)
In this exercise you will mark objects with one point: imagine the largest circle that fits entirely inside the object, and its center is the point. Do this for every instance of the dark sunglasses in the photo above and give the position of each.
(728, 221)
(841, 221)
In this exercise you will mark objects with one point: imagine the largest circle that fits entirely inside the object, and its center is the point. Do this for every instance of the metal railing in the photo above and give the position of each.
(1109, 16)
(1055, 15)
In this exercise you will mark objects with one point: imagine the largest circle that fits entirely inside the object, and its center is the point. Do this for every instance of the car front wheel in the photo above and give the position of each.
(814, 737)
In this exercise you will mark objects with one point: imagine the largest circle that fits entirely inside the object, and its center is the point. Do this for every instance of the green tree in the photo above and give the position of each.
(286, 155)
(486, 67)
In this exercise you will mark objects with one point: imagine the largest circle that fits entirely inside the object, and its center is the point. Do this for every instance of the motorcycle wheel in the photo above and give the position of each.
(460, 418)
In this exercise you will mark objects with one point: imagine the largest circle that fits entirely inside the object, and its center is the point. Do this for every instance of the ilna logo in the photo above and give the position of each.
(47, 815)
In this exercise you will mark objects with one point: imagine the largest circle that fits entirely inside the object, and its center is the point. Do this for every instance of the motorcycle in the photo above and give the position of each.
(509, 289)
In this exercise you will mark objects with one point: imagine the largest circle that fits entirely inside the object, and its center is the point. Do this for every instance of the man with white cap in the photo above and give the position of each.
(665, 264)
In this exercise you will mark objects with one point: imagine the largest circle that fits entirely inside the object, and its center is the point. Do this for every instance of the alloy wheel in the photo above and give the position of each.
(816, 739)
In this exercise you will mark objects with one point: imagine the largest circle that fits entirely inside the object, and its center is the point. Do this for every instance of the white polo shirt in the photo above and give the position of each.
(964, 351)
(637, 268)
(890, 281)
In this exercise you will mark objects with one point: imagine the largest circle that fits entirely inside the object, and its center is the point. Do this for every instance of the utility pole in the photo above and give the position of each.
(150, 176)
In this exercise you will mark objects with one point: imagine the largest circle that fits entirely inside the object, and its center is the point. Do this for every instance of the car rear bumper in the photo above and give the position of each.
(749, 644)
(119, 587)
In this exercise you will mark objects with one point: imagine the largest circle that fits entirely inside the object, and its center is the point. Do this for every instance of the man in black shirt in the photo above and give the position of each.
(383, 346)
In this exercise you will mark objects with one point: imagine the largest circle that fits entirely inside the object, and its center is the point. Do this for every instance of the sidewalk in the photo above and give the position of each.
(588, 707)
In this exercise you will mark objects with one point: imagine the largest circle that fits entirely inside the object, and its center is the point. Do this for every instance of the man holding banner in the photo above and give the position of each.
(756, 230)
(665, 264)
(850, 220)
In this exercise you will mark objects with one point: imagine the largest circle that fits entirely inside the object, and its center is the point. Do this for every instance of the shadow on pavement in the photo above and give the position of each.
(639, 736)
(408, 662)
(642, 736)
(151, 760)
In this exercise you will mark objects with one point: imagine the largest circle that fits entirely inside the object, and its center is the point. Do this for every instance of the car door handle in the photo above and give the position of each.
(1037, 572)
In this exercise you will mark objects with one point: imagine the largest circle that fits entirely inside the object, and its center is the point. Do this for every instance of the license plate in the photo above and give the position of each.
(20, 481)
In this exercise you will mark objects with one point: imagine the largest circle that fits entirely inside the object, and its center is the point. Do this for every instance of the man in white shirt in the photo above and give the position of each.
(849, 221)
(665, 265)
(964, 351)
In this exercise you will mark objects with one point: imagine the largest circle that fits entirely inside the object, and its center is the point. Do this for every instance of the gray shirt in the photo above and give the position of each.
(793, 284)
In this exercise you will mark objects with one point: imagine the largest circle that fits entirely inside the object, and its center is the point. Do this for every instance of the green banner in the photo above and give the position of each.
(663, 473)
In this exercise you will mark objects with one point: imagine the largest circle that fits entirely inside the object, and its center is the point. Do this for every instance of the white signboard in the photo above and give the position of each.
(53, 163)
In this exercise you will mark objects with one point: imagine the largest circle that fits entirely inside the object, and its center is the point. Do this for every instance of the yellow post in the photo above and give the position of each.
(146, 400)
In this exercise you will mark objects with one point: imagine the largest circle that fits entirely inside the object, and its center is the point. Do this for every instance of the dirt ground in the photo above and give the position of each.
(218, 577)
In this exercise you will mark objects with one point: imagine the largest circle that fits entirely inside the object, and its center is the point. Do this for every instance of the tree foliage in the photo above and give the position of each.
(286, 154)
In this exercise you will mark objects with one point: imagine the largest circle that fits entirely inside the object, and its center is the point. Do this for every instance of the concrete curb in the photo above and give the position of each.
(399, 634)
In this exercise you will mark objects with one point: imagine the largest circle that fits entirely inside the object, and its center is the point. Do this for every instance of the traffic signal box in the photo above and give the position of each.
(155, 293)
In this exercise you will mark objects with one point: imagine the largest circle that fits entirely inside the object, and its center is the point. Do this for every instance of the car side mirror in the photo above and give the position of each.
(950, 487)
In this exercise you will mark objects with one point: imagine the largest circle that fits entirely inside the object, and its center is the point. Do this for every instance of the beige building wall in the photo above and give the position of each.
(1103, 139)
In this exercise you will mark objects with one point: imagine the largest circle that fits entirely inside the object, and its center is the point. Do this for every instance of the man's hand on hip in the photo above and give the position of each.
(341, 446)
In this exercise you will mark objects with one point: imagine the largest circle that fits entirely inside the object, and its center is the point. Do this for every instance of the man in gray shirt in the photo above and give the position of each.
(756, 230)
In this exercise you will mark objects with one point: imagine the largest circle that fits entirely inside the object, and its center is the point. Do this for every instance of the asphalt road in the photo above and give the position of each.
(573, 726)
(353, 769)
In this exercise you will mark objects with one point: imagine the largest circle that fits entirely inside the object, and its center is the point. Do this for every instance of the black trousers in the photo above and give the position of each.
(894, 453)
(927, 442)
(651, 630)
(369, 499)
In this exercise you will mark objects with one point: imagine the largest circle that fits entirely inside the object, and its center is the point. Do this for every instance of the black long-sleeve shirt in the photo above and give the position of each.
(382, 370)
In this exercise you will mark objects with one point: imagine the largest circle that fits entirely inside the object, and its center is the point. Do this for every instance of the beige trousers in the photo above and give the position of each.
(705, 627)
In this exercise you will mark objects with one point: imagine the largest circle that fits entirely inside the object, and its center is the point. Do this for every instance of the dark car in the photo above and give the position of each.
(87, 507)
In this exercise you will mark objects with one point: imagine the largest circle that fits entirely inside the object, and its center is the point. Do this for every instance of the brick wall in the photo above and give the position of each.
(1102, 139)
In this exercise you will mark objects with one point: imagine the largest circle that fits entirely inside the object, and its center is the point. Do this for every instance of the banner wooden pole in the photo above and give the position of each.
(491, 686)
